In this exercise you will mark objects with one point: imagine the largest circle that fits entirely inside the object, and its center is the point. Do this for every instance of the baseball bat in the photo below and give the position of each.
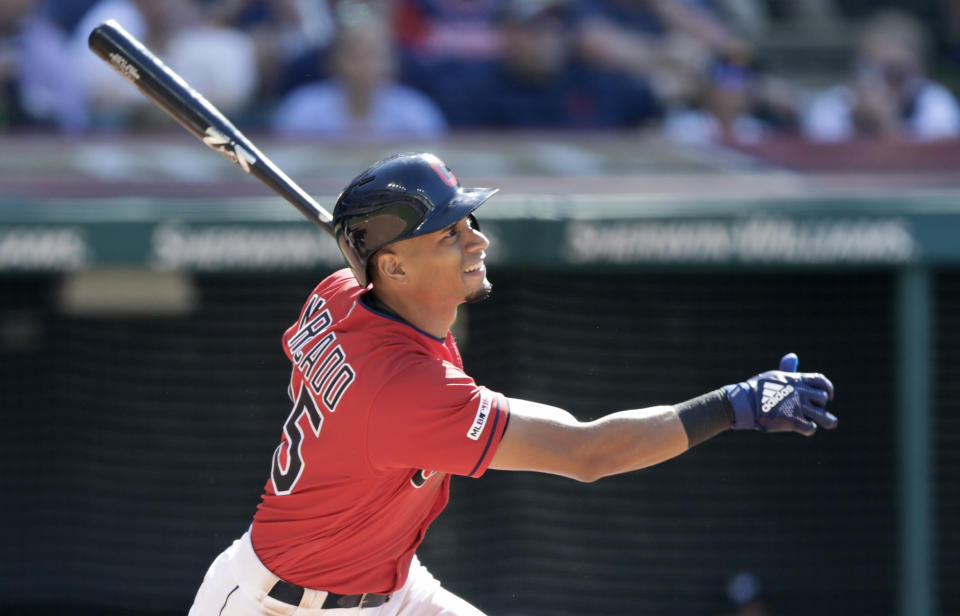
(170, 92)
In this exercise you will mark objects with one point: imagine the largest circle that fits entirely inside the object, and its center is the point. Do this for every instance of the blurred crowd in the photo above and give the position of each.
(388, 69)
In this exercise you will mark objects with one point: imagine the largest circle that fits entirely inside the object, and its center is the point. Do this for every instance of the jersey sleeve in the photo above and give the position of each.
(432, 416)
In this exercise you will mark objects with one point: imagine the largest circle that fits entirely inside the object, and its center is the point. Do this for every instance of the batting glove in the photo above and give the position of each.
(782, 400)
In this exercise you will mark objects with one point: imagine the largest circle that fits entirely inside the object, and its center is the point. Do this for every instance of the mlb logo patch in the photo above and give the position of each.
(480, 421)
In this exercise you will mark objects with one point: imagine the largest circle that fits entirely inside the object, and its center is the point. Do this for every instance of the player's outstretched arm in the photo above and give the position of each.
(550, 440)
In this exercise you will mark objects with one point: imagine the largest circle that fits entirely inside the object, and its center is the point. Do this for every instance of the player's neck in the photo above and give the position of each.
(436, 321)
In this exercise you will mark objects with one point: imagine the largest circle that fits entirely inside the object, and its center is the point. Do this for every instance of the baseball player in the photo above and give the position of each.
(383, 414)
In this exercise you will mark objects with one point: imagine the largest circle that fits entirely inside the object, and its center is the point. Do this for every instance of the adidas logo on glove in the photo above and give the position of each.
(773, 394)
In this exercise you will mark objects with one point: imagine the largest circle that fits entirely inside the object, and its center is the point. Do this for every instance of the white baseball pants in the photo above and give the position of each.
(237, 583)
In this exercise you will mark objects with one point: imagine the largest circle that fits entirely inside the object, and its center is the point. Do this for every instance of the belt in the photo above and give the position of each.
(289, 593)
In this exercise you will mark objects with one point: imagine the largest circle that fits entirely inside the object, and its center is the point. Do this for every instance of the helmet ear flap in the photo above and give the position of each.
(356, 261)
(370, 270)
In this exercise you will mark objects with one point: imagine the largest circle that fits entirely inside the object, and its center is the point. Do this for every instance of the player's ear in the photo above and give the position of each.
(390, 266)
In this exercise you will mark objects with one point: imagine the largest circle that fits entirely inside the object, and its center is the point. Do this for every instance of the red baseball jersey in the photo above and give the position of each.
(383, 414)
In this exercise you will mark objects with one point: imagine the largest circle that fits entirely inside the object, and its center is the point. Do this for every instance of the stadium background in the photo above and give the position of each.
(142, 382)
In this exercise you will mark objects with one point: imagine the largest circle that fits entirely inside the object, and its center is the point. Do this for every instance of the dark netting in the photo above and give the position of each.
(813, 518)
(946, 426)
(135, 449)
(140, 444)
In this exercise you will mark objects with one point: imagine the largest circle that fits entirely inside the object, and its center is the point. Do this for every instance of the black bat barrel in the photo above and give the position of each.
(138, 65)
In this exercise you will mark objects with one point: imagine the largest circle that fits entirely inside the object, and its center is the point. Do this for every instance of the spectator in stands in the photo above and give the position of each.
(670, 43)
(739, 105)
(217, 61)
(37, 86)
(725, 112)
(539, 83)
(889, 95)
(361, 100)
(290, 38)
(436, 30)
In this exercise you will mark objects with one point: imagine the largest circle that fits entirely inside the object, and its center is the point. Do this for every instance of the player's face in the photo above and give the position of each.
(447, 266)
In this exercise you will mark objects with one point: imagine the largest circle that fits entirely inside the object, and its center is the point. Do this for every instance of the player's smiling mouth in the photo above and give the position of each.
(477, 267)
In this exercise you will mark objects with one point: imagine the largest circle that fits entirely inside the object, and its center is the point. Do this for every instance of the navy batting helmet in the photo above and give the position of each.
(397, 198)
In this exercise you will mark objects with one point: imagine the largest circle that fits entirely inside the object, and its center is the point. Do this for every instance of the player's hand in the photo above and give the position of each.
(783, 400)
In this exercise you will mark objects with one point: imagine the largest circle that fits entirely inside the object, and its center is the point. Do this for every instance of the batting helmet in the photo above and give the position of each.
(397, 198)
